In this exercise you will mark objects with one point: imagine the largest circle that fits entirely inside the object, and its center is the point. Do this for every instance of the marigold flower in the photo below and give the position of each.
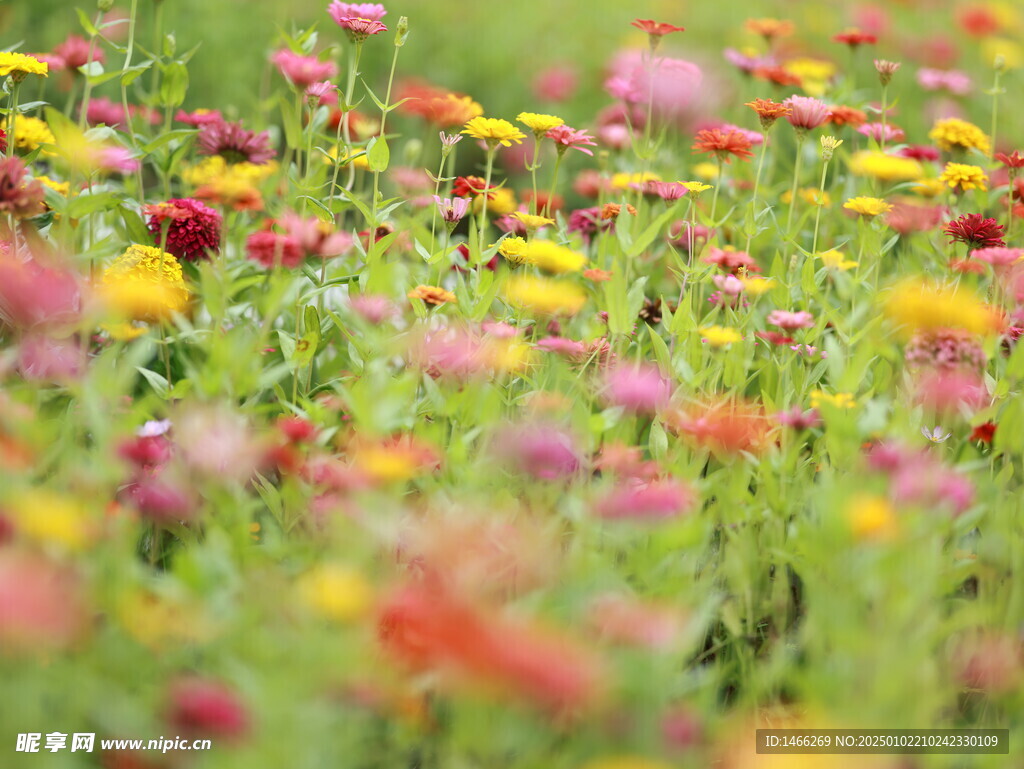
(768, 111)
(539, 124)
(434, 295)
(553, 297)
(723, 144)
(192, 229)
(966, 177)
(975, 230)
(19, 64)
(869, 207)
(144, 283)
(493, 131)
(955, 134)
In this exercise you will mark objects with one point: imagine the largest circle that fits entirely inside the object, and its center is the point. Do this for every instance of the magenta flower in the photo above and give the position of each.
(199, 117)
(566, 137)
(323, 93)
(956, 82)
(234, 143)
(371, 11)
(729, 285)
(116, 160)
(806, 112)
(543, 451)
(791, 320)
(303, 71)
(638, 389)
(798, 419)
(271, 249)
(32, 294)
(360, 29)
(656, 500)
(882, 133)
(314, 237)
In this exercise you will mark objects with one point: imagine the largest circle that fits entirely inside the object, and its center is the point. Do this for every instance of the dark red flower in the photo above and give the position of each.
(921, 152)
(656, 28)
(234, 143)
(206, 708)
(1014, 160)
(983, 432)
(193, 229)
(723, 144)
(471, 186)
(975, 230)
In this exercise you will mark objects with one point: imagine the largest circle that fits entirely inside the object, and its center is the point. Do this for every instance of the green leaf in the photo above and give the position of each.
(378, 155)
(87, 25)
(173, 84)
(136, 228)
(323, 212)
(661, 353)
(83, 205)
(129, 75)
(167, 138)
(92, 69)
(652, 230)
(157, 381)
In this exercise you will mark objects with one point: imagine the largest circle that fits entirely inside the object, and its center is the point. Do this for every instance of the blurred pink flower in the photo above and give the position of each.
(42, 605)
(203, 707)
(543, 451)
(956, 82)
(372, 11)
(302, 71)
(791, 320)
(43, 359)
(32, 294)
(373, 308)
(646, 501)
(638, 389)
(555, 84)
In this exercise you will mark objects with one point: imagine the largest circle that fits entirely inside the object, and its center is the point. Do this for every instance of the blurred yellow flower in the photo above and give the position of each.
(720, 336)
(532, 222)
(1010, 51)
(61, 188)
(836, 260)
(869, 207)
(884, 167)
(706, 170)
(545, 295)
(871, 517)
(814, 74)
(553, 258)
(839, 400)
(144, 283)
(757, 286)
(915, 305)
(966, 177)
(956, 134)
(51, 518)
(503, 201)
(159, 621)
(336, 592)
(31, 133)
(622, 181)
(928, 188)
(812, 196)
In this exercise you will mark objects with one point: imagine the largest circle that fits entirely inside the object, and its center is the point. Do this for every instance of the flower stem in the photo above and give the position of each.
(482, 225)
(885, 94)
(714, 197)
(796, 180)
(995, 109)
(533, 172)
(350, 88)
(376, 173)
(88, 84)
(820, 203)
(554, 185)
(757, 185)
(12, 116)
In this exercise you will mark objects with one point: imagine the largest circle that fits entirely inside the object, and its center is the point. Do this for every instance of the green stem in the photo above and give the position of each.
(533, 172)
(885, 94)
(995, 110)
(482, 226)
(350, 88)
(757, 186)
(796, 180)
(820, 203)
(88, 85)
(12, 116)
(554, 184)
(714, 197)
(376, 174)
(124, 95)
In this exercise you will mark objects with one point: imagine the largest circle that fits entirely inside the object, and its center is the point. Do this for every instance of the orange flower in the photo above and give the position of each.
(723, 144)
(434, 295)
(768, 111)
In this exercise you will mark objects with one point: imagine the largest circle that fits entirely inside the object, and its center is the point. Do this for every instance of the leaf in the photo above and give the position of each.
(167, 138)
(661, 353)
(136, 228)
(173, 84)
(649, 234)
(83, 205)
(323, 213)
(157, 381)
(378, 155)
(129, 75)
(87, 25)
(93, 69)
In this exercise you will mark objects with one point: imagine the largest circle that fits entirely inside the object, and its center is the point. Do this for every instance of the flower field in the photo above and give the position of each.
(370, 401)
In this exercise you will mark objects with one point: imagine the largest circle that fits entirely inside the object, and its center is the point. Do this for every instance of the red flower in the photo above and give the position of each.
(975, 230)
(271, 248)
(723, 144)
(1012, 161)
(777, 75)
(205, 708)
(843, 115)
(983, 432)
(656, 28)
(775, 337)
(854, 37)
(471, 186)
(193, 230)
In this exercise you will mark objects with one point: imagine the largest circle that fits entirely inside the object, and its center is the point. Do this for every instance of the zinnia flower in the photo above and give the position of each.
(144, 283)
(791, 320)
(566, 137)
(271, 249)
(955, 134)
(805, 112)
(493, 131)
(20, 197)
(234, 143)
(869, 207)
(372, 11)
(19, 64)
(192, 228)
(768, 111)
(723, 144)
(303, 71)
(434, 295)
(975, 230)
(539, 124)
(653, 501)
(966, 177)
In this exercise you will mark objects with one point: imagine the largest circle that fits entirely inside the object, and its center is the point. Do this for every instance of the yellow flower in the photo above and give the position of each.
(30, 133)
(503, 201)
(531, 221)
(720, 336)
(514, 249)
(919, 306)
(812, 196)
(871, 517)
(835, 260)
(554, 258)
(508, 355)
(995, 48)
(494, 131)
(839, 400)
(356, 157)
(706, 170)
(814, 74)
(51, 518)
(928, 188)
(867, 206)
(829, 144)
(545, 295)
(336, 592)
(20, 64)
(144, 283)
(124, 332)
(695, 188)
(432, 295)
(216, 168)
(61, 188)
(964, 176)
(159, 621)
(886, 168)
(757, 286)
(956, 134)
(539, 124)
(622, 181)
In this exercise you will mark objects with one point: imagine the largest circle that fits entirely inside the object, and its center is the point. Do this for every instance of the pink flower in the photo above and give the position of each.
(32, 294)
(271, 249)
(638, 389)
(199, 117)
(997, 256)
(160, 499)
(949, 392)
(888, 133)
(562, 346)
(452, 210)
(791, 320)
(656, 500)
(74, 51)
(542, 451)
(360, 29)
(303, 71)
(729, 285)
(116, 160)
(373, 308)
(324, 93)
(798, 419)
(956, 82)
(555, 84)
(566, 137)
(371, 11)
(203, 707)
(627, 620)
(806, 112)
(315, 237)
(748, 64)
(42, 604)
(755, 138)
(234, 143)
(42, 359)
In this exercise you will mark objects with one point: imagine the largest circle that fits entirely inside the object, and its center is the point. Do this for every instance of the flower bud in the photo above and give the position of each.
(104, 5)
(401, 31)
